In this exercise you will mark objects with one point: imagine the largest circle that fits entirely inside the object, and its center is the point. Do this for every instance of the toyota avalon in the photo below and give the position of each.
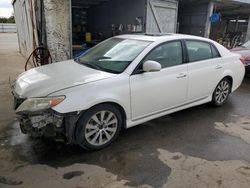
(122, 82)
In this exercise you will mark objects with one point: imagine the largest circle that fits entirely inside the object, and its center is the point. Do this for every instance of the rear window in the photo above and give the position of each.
(198, 50)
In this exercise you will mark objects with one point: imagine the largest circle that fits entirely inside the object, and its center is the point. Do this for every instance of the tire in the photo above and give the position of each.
(221, 92)
(98, 127)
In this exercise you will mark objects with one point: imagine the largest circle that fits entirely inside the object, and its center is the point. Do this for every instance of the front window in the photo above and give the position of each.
(113, 55)
(168, 54)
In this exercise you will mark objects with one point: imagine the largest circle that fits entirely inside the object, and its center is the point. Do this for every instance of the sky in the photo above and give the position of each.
(6, 8)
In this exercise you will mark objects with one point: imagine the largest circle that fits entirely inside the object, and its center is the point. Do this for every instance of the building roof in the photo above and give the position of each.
(232, 8)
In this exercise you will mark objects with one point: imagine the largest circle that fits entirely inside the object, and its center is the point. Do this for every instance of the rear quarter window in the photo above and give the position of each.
(215, 51)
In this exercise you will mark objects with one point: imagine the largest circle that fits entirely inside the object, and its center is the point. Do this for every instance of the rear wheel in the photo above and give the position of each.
(221, 92)
(98, 127)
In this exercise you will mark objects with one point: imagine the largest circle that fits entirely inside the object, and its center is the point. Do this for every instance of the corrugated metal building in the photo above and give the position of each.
(61, 25)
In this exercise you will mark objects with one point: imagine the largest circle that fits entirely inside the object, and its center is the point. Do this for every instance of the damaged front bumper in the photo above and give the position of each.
(47, 123)
(50, 124)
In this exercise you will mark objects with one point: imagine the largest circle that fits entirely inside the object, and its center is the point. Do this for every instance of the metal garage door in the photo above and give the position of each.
(161, 16)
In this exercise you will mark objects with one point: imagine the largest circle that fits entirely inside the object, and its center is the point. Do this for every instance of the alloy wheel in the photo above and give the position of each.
(222, 92)
(101, 128)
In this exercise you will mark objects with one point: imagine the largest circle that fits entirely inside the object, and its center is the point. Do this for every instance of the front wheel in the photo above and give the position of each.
(98, 127)
(221, 92)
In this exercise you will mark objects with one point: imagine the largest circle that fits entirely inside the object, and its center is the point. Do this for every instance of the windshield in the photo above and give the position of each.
(113, 55)
(247, 44)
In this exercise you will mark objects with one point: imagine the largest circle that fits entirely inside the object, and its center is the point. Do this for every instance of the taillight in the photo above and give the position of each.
(243, 60)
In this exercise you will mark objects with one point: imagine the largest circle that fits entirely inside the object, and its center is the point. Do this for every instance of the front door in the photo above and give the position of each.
(155, 92)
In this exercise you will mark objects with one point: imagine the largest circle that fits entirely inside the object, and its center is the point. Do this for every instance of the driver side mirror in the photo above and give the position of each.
(151, 66)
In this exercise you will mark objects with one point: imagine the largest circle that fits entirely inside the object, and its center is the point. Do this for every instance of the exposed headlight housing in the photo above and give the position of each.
(39, 104)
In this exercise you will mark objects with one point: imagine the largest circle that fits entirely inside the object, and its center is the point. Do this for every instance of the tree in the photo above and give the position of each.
(11, 19)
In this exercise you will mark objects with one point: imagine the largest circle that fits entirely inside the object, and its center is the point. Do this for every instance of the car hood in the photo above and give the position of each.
(41, 81)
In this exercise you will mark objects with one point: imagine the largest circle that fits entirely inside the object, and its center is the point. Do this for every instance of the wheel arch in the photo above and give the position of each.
(230, 78)
(118, 106)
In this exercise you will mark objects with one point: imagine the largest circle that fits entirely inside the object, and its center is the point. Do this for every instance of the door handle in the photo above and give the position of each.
(181, 75)
(218, 67)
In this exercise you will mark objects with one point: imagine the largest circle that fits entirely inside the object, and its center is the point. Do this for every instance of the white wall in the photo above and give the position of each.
(27, 36)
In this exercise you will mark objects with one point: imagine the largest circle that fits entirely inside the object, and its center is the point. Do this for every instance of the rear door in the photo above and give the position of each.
(204, 69)
(161, 16)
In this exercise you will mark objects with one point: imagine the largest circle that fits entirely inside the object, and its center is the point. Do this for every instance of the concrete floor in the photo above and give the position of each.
(197, 147)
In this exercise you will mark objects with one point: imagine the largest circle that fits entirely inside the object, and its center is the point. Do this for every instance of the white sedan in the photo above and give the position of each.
(122, 82)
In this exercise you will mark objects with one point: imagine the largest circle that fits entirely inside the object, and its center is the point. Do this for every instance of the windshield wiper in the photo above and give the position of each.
(77, 60)
(92, 66)
(96, 67)
(103, 58)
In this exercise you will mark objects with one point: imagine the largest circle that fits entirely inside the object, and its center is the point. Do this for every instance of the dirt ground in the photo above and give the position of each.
(198, 147)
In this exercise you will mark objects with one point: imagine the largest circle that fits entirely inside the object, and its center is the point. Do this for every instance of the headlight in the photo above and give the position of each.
(38, 104)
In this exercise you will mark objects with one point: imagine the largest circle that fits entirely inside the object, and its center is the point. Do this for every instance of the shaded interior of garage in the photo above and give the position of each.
(94, 21)
(192, 17)
(105, 18)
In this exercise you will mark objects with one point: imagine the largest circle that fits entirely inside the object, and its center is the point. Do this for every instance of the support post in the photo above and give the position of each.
(236, 24)
(208, 23)
(58, 28)
(248, 30)
(70, 30)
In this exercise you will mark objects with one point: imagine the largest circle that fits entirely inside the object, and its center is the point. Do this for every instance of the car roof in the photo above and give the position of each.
(161, 37)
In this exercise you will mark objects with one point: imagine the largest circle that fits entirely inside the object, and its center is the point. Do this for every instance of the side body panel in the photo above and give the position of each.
(153, 92)
(203, 78)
